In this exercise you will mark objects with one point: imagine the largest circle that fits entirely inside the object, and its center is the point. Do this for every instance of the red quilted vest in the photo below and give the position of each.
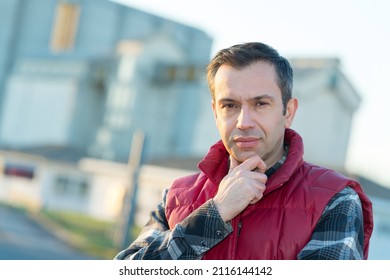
(282, 222)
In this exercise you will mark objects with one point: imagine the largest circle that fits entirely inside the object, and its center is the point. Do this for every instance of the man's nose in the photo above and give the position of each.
(245, 119)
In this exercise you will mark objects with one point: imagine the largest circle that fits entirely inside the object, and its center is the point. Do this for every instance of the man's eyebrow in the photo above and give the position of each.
(256, 98)
(264, 96)
(224, 100)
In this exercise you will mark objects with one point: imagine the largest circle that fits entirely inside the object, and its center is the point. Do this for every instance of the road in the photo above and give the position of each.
(22, 238)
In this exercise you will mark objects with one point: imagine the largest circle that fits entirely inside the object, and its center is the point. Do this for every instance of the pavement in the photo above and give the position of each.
(25, 237)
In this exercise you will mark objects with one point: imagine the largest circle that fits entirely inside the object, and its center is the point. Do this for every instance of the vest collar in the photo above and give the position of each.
(293, 162)
(216, 163)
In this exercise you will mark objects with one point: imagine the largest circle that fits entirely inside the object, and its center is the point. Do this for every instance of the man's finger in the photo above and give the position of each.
(261, 166)
(252, 163)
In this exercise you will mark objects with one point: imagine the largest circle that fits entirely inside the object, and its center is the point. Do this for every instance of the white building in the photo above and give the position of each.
(327, 102)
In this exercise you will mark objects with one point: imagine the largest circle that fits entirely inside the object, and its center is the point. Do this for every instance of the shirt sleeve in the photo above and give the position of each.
(188, 240)
(338, 234)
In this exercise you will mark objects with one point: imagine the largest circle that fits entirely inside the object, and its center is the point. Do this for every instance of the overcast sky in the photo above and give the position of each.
(355, 31)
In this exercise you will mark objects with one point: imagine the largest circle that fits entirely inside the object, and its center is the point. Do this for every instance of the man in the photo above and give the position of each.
(255, 197)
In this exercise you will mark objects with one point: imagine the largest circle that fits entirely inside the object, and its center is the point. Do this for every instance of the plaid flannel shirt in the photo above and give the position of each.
(338, 233)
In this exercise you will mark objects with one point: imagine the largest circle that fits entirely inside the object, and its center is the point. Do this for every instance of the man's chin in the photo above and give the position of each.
(243, 156)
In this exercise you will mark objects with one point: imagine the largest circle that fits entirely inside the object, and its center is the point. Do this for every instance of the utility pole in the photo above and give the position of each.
(130, 200)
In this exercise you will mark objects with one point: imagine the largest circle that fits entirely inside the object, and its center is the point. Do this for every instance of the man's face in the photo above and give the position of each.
(248, 110)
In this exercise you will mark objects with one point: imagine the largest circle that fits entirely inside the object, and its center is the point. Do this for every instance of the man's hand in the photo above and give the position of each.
(243, 185)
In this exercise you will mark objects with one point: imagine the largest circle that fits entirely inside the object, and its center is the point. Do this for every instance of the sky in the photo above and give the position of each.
(355, 31)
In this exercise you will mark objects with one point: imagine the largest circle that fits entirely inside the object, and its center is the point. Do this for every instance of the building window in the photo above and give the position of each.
(191, 73)
(171, 73)
(61, 186)
(71, 187)
(83, 188)
(65, 27)
(19, 170)
(165, 73)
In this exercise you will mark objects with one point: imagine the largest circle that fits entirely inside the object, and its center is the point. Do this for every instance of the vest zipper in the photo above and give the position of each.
(237, 223)
(235, 238)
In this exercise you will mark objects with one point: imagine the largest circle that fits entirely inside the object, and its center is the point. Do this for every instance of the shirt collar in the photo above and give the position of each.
(276, 166)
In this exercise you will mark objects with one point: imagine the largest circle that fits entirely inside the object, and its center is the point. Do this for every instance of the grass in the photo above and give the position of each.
(91, 236)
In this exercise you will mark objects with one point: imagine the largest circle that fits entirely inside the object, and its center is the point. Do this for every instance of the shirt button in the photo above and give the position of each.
(218, 233)
(203, 243)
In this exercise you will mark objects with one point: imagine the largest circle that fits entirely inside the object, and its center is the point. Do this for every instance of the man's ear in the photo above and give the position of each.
(291, 108)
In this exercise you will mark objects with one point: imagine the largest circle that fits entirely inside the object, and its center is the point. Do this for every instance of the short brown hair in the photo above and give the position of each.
(242, 55)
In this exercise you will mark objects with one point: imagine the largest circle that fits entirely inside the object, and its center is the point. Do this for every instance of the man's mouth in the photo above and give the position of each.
(246, 142)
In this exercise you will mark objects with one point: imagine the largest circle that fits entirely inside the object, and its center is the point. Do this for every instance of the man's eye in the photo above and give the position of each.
(229, 106)
(261, 103)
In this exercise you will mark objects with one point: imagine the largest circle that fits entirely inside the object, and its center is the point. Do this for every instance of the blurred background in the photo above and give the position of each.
(104, 103)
